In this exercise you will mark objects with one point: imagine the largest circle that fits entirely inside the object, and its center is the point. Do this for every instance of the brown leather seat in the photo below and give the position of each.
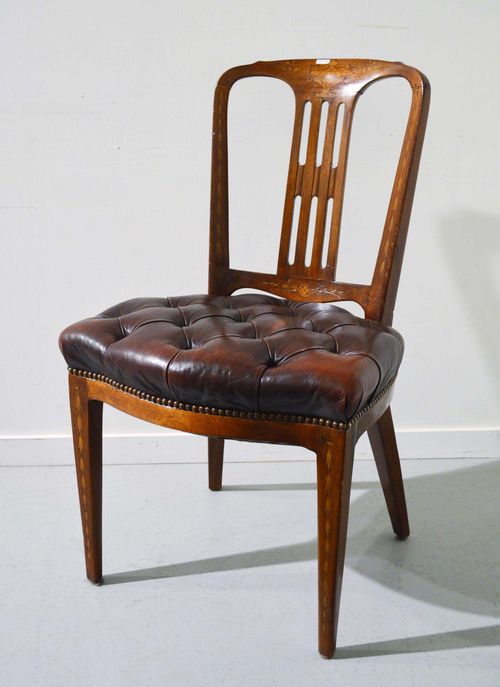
(250, 352)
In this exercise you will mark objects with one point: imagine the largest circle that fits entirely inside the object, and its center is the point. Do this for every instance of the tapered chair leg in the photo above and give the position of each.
(385, 450)
(86, 419)
(215, 463)
(334, 471)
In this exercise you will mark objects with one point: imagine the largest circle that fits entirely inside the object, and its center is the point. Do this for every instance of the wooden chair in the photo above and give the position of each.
(288, 368)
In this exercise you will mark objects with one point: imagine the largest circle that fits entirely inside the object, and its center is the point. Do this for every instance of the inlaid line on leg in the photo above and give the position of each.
(86, 417)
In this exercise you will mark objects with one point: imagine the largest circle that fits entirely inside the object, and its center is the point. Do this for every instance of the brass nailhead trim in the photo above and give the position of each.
(207, 410)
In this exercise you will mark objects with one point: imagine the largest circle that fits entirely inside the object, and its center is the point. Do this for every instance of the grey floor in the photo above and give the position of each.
(220, 589)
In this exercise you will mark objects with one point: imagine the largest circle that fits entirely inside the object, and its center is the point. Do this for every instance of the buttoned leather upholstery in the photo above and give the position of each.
(248, 352)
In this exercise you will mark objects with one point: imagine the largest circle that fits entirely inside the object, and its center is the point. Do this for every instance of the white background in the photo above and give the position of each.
(105, 132)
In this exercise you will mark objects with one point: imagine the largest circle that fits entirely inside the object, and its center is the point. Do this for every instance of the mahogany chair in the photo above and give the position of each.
(288, 368)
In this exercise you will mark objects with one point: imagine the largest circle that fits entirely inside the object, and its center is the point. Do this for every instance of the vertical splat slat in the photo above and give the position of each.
(308, 184)
(293, 170)
(326, 174)
(338, 189)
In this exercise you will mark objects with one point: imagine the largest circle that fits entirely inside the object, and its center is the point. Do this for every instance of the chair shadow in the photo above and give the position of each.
(487, 635)
(450, 560)
(296, 486)
(452, 556)
(292, 553)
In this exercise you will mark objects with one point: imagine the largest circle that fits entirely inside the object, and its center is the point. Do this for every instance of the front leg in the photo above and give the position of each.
(334, 472)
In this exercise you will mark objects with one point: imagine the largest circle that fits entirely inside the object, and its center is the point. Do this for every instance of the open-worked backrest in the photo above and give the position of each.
(326, 92)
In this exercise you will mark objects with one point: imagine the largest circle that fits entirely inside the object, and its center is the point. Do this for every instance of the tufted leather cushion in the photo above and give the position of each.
(248, 352)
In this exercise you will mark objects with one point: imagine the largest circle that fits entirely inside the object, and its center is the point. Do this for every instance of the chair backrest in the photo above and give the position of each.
(336, 82)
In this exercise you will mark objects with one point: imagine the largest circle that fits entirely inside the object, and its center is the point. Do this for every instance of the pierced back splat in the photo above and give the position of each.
(315, 186)
(320, 177)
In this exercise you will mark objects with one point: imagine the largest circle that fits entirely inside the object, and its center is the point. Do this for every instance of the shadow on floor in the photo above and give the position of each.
(293, 553)
(297, 486)
(451, 559)
(489, 635)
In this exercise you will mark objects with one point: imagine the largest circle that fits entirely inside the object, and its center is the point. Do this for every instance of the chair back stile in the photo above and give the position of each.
(332, 88)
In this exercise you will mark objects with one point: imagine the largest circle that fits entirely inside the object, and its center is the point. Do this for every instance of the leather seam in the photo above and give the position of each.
(143, 324)
(168, 368)
(367, 355)
(271, 357)
(212, 316)
(179, 308)
(266, 367)
(121, 327)
(290, 329)
(343, 324)
(305, 350)
(225, 336)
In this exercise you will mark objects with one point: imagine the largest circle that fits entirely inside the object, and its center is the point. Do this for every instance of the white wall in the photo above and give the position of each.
(105, 120)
